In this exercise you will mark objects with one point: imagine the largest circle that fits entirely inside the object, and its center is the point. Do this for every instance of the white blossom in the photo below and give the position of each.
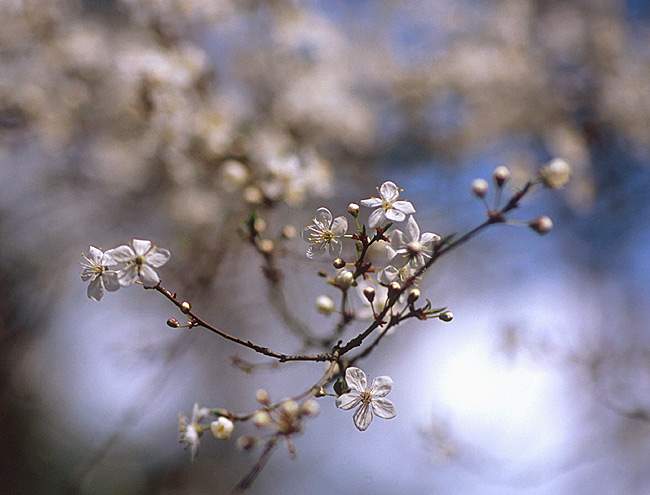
(138, 262)
(556, 174)
(325, 234)
(222, 428)
(368, 400)
(97, 268)
(190, 430)
(388, 207)
(412, 247)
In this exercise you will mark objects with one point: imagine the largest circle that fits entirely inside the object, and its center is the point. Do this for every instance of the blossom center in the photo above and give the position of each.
(386, 205)
(328, 235)
(366, 397)
(139, 260)
(414, 247)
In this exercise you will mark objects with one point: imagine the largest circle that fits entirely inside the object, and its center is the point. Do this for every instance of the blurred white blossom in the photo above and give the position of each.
(97, 269)
(138, 262)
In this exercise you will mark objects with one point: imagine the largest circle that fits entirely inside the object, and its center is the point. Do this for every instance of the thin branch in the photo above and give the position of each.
(252, 475)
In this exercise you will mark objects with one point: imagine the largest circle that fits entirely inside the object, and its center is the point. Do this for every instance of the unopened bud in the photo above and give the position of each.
(369, 294)
(186, 307)
(262, 396)
(290, 407)
(480, 188)
(353, 209)
(344, 279)
(246, 442)
(289, 232)
(394, 287)
(266, 246)
(259, 225)
(261, 419)
(556, 174)
(542, 225)
(321, 391)
(253, 195)
(222, 428)
(447, 316)
(309, 408)
(501, 175)
(173, 322)
(338, 263)
(413, 296)
(325, 305)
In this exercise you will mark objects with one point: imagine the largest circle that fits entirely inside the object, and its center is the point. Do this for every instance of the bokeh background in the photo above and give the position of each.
(173, 119)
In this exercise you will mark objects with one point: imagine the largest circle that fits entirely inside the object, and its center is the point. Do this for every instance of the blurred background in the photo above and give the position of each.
(172, 120)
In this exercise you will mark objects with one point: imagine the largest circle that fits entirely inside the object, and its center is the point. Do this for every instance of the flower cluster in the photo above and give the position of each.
(122, 266)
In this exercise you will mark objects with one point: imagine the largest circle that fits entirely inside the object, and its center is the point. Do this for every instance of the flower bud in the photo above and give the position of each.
(234, 175)
(259, 225)
(556, 174)
(309, 408)
(501, 175)
(480, 188)
(173, 322)
(321, 391)
(186, 307)
(369, 294)
(266, 246)
(261, 419)
(413, 296)
(289, 232)
(338, 263)
(344, 279)
(222, 428)
(325, 305)
(290, 407)
(394, 287)
(253, 195)
(246, 442)
(353, 209)
(262, 396)
(447, 316)
(541, 225)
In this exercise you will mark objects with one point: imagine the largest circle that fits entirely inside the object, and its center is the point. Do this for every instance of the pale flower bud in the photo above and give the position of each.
(246, 442)
(289, 232)
(186, 307)
(290, 407)
(556, 174)
(480, 188)
(253, 195)
(222, 428)
(310, 408)
(325, 305)
(501, 175)
(262, 396)
(353, 209)
(541, 225)
(261, 419)
(234, 175)
(266, 246)
(413, 296)
(394, 287)
(344, 279)
(338, 263)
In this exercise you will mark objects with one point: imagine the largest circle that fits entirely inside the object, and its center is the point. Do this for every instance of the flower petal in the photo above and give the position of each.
(314, 250)
(356, 379)
(376, 218)
(323, 218)
(388, 274)
(95, 289)
(405, 207)
(157, 257)
(348, 401)
(96, 255)
(110, 281)
(334, 248)
(371, 202)
(389, 191)
(363, 417)
(148, 276)
(141, 247)
(121, 254)
(340, 226)
(381, 386)
(412, 230)
(397, 241)
(429, 237)
(87, 274)
(383, 408)
(395, 215)
(128, 276)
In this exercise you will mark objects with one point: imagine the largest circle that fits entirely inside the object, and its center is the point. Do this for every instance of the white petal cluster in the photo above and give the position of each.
(411, 247)
(324, 234)
(190, 429)
(368, 401)
(388, 208)
(122, 266)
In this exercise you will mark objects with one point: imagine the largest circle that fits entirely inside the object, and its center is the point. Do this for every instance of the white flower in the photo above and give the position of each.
(411, 247)
(96, 268)
(190, 430)
(556, 174)
(324, 234)
(393, 274)
(222, 428)
(368, 400)
(139, 262)
(388, 208)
